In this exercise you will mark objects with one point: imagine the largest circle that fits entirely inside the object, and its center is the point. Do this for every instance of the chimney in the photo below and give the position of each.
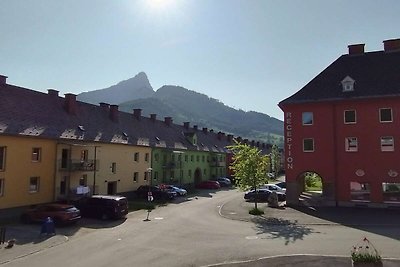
(114, 113)
(246, 141)
(168, 121)
(391, 45)
(219, 135)
(239, 139)
(153, 117)
(195, 127)
(356, 49)
(3, 79)
(105, 106)
(229, 137)
(137, 113)
(186, 125)
(70, 103)
(253, 142)
(205, 130)
(258, 144)
(52, 92)
(211, 130)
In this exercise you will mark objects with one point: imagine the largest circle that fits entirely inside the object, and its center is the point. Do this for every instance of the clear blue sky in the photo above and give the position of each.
(250, 54)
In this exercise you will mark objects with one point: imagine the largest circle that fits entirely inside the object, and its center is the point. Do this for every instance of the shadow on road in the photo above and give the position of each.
(278, 228)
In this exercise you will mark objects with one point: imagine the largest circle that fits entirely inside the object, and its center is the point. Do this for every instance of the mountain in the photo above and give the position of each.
(133, 88)
(185, 105)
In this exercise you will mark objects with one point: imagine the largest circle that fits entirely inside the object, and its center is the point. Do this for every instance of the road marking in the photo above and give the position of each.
(119, 239)
(158, 218)
(251, 237)
(232, 213)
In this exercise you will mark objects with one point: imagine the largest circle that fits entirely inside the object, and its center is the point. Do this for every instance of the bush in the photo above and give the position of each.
(255, 211)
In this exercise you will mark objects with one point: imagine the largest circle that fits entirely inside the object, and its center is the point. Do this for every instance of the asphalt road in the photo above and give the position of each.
(192, 233)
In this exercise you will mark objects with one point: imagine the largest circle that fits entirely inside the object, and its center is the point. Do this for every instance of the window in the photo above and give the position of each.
(36, 151)
(2, 158)
(1, 187)
(136, 157)
(360, 191)
(186, 158)
(391, 192)
(349, 116)
(113, 167)
(190, 173)
(146, 157)
(387, 143)
(205, 171)
(173, 157)
(385, 115)
(145, 176)
(348, 84)
(197, 158)
(172, 175)
(191, 158)
(84, 155)
(155, 176)
(203, 158)
(34, 184)
(351, 144)
(307, 118)
(308, 145)
(83, 180)
(135, 177)
(156, 157)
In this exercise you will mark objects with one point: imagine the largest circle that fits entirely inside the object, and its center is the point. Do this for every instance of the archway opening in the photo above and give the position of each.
(310, 189)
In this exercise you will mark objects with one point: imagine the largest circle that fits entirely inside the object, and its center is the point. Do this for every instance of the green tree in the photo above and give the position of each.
(249, 166)
(275, 160)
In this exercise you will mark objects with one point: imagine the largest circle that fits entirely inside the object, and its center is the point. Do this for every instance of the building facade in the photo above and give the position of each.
(344, 125)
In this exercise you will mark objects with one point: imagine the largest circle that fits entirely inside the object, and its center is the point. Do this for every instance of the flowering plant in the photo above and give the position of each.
(365, 252)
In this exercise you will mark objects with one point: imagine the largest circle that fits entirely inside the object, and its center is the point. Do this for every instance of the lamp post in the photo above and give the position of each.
(149, 193)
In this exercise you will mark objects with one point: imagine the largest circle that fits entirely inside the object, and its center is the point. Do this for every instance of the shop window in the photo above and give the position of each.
(391, 192)
(350, 116)
(387, 143)
(2, 158)
(308, 145)
(36, 154)
(34, 184)
(360, 191)
(351, 144)
(385, 115)
(308, 118)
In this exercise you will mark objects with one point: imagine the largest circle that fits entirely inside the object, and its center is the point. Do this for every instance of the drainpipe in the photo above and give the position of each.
(335, 160)
(69, 173)
(94, 171)
(55, 174)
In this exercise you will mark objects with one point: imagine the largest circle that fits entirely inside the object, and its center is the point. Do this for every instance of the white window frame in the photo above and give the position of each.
(389, 146)
(349, 147)
(36, 154)
(355, 116)
(302, 118)
(380, 115)
(34, 188)
(313, 145)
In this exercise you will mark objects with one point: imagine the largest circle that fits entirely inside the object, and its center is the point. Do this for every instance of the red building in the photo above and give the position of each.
(344, 125)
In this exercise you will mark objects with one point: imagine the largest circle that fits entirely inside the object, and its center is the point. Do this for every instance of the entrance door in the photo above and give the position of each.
(197, 176)
(111, 188)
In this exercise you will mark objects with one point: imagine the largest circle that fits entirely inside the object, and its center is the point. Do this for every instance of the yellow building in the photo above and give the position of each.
(27, 170)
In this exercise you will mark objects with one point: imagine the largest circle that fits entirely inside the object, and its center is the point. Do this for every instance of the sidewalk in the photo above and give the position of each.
(27, 241)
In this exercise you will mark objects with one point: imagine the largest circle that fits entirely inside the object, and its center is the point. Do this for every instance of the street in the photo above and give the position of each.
(193, 233)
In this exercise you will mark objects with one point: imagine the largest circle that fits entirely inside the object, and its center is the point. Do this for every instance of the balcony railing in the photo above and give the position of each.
(78, 165)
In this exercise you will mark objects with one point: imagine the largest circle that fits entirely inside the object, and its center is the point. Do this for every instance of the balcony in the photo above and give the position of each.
(77, 165)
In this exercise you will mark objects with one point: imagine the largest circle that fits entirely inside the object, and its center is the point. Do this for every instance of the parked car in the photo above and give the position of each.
(157, 192)
(274, 187)
(103, 206)
(281, 184)
(208, 185)
(223, 181)
(59, 213)
(262, 195)
(179, 191)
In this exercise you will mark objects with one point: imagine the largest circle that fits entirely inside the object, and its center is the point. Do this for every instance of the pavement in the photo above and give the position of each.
(28, 239)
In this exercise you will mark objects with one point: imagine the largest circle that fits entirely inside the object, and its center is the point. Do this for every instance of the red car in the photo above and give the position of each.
(208, 185)
(59, 213)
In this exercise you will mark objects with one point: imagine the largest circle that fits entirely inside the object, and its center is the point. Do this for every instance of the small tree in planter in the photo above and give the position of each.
(364, 254)
(250, 169)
